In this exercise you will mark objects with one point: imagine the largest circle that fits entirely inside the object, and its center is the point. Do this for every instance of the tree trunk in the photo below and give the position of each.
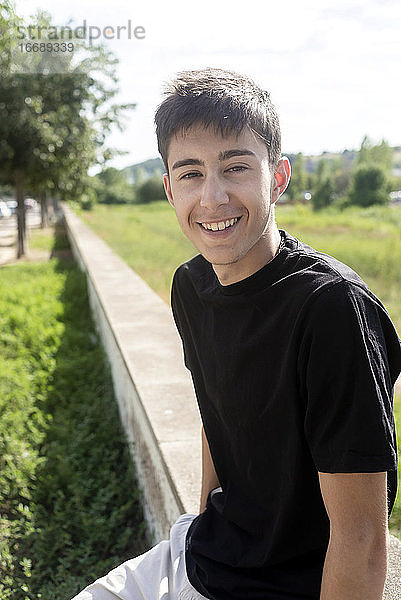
(21, 223)
(56, 206)
(44, 217)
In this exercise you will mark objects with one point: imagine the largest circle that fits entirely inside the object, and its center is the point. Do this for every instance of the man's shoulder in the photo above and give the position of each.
(317, 268)
(193, 270)
(196, 263)
(325, 288)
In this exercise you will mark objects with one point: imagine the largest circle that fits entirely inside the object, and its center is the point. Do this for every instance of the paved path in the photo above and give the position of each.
(7, 239)
(8, 234)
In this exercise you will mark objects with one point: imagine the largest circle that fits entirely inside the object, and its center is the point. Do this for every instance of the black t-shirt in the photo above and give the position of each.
(293, 369)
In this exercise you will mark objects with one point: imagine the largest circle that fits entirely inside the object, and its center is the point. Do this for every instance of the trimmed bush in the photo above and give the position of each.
(151, 190)
(369, 186)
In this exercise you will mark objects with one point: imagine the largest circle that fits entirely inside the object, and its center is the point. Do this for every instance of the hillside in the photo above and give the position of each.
(143, 170)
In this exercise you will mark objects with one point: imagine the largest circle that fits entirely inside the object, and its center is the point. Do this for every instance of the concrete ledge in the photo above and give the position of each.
(153, 389)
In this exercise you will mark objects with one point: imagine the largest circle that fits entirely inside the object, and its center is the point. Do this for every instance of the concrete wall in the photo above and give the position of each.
(153, 389)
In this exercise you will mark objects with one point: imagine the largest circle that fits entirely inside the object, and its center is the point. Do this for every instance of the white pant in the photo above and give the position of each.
(159, 574)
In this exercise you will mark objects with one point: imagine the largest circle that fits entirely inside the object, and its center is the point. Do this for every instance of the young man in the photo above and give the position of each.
(293, 361)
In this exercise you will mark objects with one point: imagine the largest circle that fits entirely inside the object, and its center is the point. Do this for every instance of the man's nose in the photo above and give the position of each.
(213, 193)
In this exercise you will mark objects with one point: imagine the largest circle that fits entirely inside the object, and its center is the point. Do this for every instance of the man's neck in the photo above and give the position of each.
(259, 256)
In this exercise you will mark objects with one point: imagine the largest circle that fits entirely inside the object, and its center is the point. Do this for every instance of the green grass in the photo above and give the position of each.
(41, 239)
(45, 239)
(148, 238)
(69, 504)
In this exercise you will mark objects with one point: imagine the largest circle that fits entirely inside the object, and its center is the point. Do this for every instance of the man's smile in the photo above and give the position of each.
(219, 225)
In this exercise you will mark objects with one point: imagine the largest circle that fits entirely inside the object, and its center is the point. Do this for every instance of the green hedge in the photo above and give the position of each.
(69, 503)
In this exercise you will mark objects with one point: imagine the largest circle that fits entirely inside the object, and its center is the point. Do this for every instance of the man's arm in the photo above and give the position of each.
(209, 477)
(356, 559)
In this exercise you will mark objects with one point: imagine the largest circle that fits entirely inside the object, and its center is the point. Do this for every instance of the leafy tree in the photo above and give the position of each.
(369, 186)
(53, 125)
(151, 190)
(8, 19)
(299, 180)
(342, 181)
(364, 154)
(323, 193)
(113, 188)
(370, 179)
(379, 154)
(88, 199)
(382, 154)
(339, 171)
(21, 131)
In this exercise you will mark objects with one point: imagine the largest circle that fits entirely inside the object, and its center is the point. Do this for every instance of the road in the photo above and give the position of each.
(8, 233)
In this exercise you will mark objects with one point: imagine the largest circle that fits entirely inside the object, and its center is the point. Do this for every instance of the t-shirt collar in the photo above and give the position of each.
(264, 276)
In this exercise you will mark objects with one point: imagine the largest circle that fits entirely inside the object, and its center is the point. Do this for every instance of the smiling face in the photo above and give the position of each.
(223, 194)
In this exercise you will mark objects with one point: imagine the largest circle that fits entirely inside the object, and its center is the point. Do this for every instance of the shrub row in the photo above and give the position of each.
(69, 503)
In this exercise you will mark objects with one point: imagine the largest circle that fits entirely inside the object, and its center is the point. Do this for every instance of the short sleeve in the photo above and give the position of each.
(346, 376)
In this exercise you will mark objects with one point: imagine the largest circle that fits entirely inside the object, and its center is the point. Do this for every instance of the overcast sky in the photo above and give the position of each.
(332, 66)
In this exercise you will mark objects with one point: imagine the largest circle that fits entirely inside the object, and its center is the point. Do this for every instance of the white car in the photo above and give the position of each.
(12, 205)
(4, 210)
(30, 203)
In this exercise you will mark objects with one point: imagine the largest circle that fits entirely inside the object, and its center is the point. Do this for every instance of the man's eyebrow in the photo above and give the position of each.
(187, 161)
(235, 152)
(222, 156)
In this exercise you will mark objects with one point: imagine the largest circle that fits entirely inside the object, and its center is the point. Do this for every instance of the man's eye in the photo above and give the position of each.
(189, 175)
(237, 168)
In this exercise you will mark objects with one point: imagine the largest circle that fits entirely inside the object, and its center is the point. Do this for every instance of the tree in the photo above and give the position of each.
(323, 194)
(364, 154)
(113, 188)
(53, 125)
(369, 182)
(382, 154)
(151, 190)
(8, 21)
(369, 186)
(339, 172)
(22, 131)
(379, 154)
(298, 183)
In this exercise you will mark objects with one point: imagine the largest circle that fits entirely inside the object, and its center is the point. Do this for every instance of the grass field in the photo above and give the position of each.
(148, 238)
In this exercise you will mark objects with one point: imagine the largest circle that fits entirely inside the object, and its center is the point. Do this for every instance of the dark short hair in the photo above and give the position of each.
(224, 100)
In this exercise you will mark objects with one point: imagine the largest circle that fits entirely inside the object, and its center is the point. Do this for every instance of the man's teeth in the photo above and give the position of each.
(220, 225)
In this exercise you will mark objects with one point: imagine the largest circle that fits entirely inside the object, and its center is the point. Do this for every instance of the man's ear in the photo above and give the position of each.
(167, 188)
(282, 178)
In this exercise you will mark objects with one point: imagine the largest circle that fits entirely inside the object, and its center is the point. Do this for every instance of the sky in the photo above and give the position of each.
(332, 66)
